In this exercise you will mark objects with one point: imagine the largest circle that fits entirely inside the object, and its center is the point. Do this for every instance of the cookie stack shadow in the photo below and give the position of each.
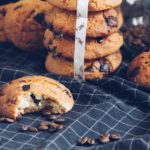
(103, 42)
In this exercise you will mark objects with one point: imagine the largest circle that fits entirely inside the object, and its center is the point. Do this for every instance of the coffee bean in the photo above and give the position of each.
(91, 141)
(115, 136)
(112, 21)
(44, 123)
(105, 138)
(83, 140)
(134, 72)
(9, 120)
(57, 126)
(60, 120)
(24, 128)
(26, 87)
(33, 129)
(53, 117)
(43, 128)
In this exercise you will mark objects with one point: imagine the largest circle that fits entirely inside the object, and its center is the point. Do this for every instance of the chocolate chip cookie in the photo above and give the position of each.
(25, 25)
(33, 94)
(94, 69)
(94, 5)
(99, 23)
(139, 69)
(95, 48)
(3, 11)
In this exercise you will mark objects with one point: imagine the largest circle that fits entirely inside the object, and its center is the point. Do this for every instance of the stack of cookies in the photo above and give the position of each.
(102, 55)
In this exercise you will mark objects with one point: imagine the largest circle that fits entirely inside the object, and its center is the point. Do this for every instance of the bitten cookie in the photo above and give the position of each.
(95, 48)
(33, 94)
(94, 5)
(99, 23)
(139, 69)
(24, 24)
(93, 69)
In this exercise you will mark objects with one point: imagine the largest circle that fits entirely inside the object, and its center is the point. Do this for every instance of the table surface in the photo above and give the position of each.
(113, 105)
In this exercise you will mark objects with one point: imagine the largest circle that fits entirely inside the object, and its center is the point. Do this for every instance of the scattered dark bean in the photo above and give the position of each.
(33, 129)
(115, 136)
(91, 141)
(60, 120)
(44, 123)
(83, 140)
(24, 128)
(52, 117)
(43, 128)
(105, 138)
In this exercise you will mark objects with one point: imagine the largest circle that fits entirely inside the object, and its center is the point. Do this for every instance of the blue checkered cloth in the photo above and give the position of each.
(113, 105)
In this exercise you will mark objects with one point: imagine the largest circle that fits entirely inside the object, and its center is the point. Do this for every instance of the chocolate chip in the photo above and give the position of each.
(60, 120)
(40, 18)
(100, 39)
(105, 138)
(68, 93)
(3, 12)
(51, 27)
(26, 87)
(115, 136)
(24, 128)
(89, 69)
(19, 6)
(37, 101)
(57, 126)
(55, 54)
(104, 67)
(33, 129)
(112, 21)
(134, 72)
(43, 128)
(58, 33)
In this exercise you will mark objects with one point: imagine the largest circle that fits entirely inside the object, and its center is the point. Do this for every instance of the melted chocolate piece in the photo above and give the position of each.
(40, 18)
(18, 7)
(51, 27)
(100, 39)
(67, 93)
(58, 33)
(26, 87)
(134, 72)
(37, 101)
(112, 21)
